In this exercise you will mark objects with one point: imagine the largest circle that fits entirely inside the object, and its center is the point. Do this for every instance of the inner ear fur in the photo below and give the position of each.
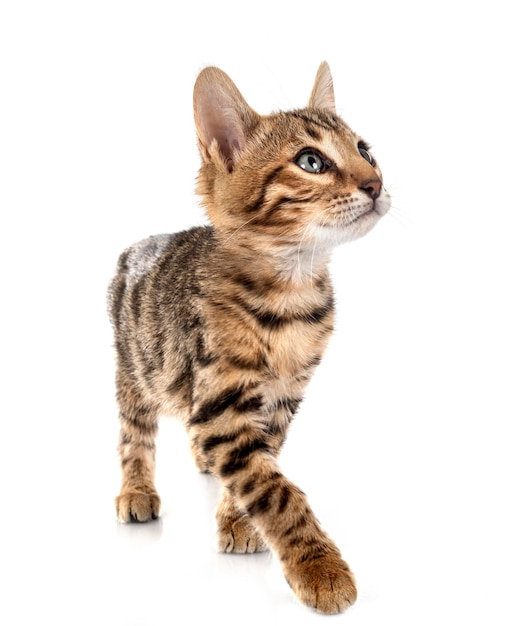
(223, 118)
(322, 96)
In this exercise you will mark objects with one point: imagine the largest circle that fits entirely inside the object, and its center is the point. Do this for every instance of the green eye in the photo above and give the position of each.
(311, 161)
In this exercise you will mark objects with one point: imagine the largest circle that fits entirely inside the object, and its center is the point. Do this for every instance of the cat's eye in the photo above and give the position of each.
(311, 161)
(365, 153)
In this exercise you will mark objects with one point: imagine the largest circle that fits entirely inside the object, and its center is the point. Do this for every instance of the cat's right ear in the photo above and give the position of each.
(223, 118)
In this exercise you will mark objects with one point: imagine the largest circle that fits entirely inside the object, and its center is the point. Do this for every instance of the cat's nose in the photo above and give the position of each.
(372, 186)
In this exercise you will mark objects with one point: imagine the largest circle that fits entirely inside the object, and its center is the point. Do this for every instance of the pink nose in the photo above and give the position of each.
(372, 186)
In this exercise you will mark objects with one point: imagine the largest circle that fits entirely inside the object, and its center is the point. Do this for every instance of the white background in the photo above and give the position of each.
(412, 443)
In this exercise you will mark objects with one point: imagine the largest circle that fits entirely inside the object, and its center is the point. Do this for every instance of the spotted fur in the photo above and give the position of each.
(223, 325)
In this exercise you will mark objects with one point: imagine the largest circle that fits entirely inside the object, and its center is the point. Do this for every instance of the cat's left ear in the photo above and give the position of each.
(323, 90)
(223, 118)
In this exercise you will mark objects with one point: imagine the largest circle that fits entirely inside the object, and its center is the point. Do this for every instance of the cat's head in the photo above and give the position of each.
(301, 178)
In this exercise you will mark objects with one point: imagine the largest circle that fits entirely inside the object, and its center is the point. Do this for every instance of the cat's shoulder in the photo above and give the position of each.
(141, 257)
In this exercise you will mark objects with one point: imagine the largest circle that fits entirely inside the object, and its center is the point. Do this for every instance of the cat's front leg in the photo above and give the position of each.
(281, 514)
(318, 575)
(137, 506)
(311, 562)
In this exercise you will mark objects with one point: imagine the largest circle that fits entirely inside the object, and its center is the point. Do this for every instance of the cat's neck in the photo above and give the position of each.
(302, 265)
(292, 266)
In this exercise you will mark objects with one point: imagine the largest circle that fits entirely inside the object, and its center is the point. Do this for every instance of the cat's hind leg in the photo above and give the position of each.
(236, 532)
(138, 500)
(198, 456)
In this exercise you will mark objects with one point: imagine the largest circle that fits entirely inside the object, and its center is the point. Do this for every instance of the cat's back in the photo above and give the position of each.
(155, 269)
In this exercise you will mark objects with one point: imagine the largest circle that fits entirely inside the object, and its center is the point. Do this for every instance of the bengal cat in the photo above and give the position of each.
(225, 324)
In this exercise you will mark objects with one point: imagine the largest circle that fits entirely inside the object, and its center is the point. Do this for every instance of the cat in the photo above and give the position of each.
(224, 324)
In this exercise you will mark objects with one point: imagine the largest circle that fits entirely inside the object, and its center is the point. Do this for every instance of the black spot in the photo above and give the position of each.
(238, 459)
(262, 502)
(125, 360)
(298, 525)
(270, 320)
(138, 421)
(158, 351)
(282, 202)
(146, 356)
(313, 362)
(246, 282)
(248, 487)
(136, 300)
(213, 408)
(216, 440)
(123, 261)
(319, 119)
(258, 479)
(317, 315)
(285, 495)
(178, 384)
(194, 322)
(314, 134)
(321, 284)
(250, 405)
(253, 364)
(116, 296)
(274, 321)
(204, 358)
(290, 405)
(255, 206)
(125, 438)
(311, 556)
(260, 288)
(275, 429)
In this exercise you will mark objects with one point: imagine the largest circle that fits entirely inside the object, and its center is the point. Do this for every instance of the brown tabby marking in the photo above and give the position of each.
(224, 325)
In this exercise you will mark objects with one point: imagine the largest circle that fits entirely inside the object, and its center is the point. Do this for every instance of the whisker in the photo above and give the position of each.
(321, 222)
(240, 228)
(319, 217)
(400, 216)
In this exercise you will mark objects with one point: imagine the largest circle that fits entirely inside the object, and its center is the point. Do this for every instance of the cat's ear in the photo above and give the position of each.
(223, 118)
(323, 90)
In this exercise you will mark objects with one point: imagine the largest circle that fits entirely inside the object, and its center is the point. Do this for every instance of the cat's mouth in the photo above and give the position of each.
(346, 222)
(348, 217)
(355, 214)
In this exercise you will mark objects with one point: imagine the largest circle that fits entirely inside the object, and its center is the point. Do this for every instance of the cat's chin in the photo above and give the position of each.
(307, 260)
(328, 238)
(362, 225)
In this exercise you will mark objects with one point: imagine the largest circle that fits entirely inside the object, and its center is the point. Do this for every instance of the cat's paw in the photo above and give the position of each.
(137, 507)
(324, 583)
(239, 536)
